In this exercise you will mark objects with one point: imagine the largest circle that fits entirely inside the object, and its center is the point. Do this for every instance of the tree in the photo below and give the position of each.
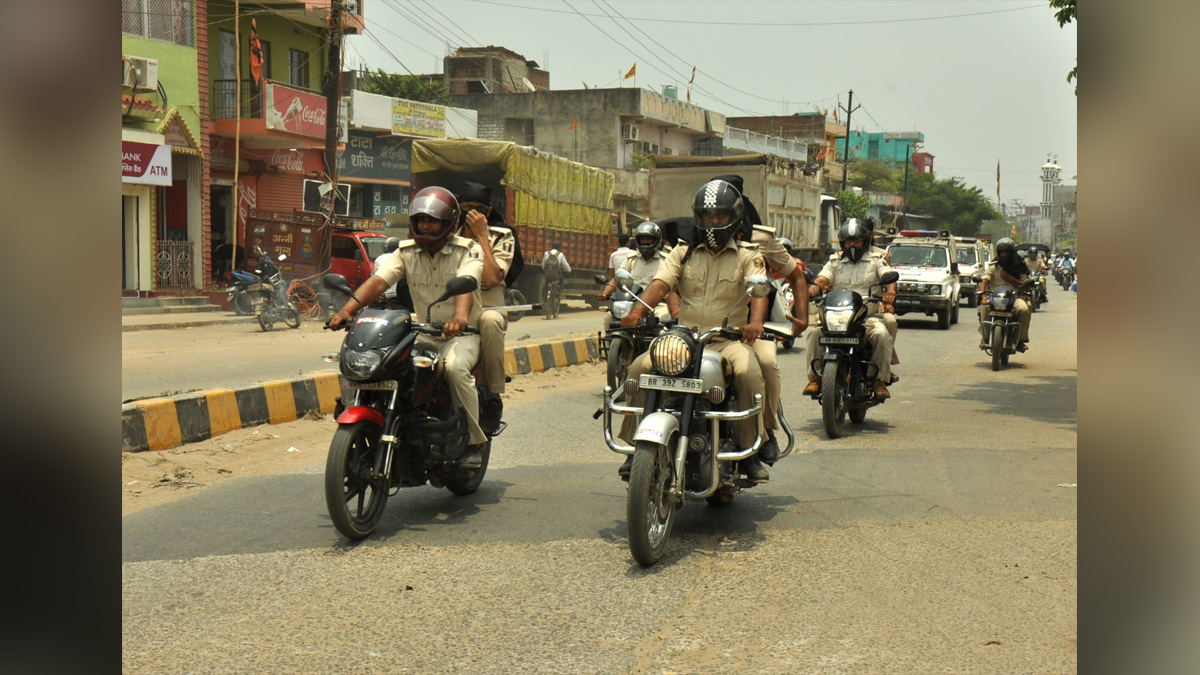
(952, 204)
(406, 87)
(1065, 14)
(876, 175)
(853, 204)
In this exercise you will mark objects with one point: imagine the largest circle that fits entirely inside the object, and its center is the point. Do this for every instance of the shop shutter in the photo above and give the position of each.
(280, 192)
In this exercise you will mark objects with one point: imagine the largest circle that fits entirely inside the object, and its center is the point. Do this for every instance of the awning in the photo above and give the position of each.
(138, 135)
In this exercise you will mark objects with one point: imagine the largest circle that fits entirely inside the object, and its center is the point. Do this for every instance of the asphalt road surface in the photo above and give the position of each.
(940, 536)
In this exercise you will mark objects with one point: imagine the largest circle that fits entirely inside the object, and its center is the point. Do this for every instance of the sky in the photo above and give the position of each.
(983, 80)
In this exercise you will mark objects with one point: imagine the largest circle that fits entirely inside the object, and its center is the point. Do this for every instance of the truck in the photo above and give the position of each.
(545, 199)
(786, 198)
(927, 261)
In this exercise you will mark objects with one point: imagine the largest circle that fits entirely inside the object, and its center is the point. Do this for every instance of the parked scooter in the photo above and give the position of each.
(684, 447)
(278, 307)
(401, 429)
(846, 372)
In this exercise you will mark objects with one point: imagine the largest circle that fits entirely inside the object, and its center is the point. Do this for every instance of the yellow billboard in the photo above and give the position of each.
(413, 118)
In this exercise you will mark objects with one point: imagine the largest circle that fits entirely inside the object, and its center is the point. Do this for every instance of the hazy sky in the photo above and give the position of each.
(984, 80)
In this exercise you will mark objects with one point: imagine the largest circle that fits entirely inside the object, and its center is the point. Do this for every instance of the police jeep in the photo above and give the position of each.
(927, 261)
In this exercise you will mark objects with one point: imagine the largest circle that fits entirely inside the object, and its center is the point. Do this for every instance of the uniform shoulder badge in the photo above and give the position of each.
(748, 245)
(407, 243)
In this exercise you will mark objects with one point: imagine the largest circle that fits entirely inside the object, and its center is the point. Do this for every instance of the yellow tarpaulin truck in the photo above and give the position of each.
(546, 198)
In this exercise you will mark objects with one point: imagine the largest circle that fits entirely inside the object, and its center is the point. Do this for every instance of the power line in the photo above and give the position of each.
(472, 38)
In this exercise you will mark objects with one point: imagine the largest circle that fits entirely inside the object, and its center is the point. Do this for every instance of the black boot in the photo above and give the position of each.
(754, 470)
(471, 458)
(768, 452)
(491, 410)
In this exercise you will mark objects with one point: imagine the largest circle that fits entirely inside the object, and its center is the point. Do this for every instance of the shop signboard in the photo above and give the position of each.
(145, 163)
(368, 157)
(295, 111)
(414, 118)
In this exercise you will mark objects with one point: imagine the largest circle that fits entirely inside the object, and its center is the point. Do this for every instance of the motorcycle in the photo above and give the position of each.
(401, 429)
(783, 303)
(1002, 326)
(684, 447)
(623, 345)
(846, 372)
(278, 306)
(1033, 292)
(247, 292)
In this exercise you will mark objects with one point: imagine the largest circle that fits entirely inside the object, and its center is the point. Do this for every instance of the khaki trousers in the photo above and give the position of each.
(765, 351)
(893, 327)
(747, 380)
(459, 355)
(492, 326)
(877, 335)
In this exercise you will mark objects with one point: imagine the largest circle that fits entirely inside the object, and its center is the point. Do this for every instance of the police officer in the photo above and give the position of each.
(498, 246)
(642, 266)
(857, 269)
(1036, 264)
(710, 275)
(433, 256)
(779, 261)
(1007, 270)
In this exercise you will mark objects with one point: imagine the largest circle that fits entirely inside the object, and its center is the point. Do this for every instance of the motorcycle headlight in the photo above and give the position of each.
(838, 320)
(360, 365)
(934, 289)
(620, 308)
(1002, 303)
(670, 354)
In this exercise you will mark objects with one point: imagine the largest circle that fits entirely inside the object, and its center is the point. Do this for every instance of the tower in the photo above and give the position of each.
(1050, 171)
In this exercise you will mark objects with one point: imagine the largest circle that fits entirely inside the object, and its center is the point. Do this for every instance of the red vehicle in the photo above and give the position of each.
(353, 254)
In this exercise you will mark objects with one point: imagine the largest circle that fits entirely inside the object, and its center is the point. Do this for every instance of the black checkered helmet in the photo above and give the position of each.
(715, 197)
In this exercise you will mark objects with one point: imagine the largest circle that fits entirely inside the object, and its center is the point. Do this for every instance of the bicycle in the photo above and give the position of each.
(553, 298)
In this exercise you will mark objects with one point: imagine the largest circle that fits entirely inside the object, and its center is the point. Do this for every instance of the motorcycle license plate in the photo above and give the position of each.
(685, 385)
(386, 385)
(839, 340)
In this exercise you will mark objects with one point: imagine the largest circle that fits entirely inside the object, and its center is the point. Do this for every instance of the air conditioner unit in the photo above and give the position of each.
(139, 73)
(629, 132)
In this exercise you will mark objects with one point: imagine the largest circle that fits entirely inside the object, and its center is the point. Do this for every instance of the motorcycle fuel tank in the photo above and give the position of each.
(375, 328)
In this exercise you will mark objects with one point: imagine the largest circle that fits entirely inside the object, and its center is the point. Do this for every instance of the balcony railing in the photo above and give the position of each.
(226, 104)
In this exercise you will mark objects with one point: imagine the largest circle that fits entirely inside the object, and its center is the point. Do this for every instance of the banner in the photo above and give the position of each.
(145, 163)
(369, 157)
(413, 118)
(295, 111)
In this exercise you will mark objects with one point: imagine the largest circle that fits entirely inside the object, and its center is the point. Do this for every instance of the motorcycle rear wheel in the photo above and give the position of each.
(997, 346)
(650, 505)
(514, 297)
(858, 415)
(355, 501)
(264, 322)
(241, 304)
(466, 481)
(833, 409)
(291, 317)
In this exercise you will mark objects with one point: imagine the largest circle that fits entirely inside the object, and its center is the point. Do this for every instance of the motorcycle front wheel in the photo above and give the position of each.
(997, 346)
(833, 407)
(291, 317)
(355, 500)
(650, 505)
(241, 304)
(264, 320)
(466, 481)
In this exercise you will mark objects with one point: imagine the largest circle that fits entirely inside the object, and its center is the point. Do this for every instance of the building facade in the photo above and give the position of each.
(819, 131)
(895, 147)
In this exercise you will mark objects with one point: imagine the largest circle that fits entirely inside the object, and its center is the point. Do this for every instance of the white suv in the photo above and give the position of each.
(929, 275)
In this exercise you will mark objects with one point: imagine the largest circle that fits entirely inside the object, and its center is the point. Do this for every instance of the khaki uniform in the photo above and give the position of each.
(1020, 308)
(427, 276)
(858, 277)
(889, 318)
(781, 262)
(710, 285)
(493, 324)
(643, 272)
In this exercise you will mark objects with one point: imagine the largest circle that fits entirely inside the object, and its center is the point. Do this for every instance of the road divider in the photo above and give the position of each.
(167, 422)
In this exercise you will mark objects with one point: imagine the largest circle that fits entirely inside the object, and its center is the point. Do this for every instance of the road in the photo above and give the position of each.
(167, 362)
(940, 536)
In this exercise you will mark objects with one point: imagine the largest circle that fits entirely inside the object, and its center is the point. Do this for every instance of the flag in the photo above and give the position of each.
(821, 154)
(835, 117)
(693, 75)
(997, 180)
(574, 124)
(256, 54)
(632, 71)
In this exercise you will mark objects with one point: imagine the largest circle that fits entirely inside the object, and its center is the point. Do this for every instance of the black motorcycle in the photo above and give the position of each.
(621, 346)
(401, 429)
(684, 447)
(1002, 327)
(278, 306)
(846, 372)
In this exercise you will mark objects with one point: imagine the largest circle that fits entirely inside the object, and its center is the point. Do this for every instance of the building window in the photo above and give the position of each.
(298, 68)
(171, 21)
(266, 50)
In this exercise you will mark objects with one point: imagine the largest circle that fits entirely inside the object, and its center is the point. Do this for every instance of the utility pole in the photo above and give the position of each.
(331, 88)
(846, 154)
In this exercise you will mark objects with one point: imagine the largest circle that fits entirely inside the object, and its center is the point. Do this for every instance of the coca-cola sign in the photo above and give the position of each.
(288, 160)
(294, 110)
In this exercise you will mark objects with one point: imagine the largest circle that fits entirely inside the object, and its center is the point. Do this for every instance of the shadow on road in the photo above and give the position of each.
(1046, 399)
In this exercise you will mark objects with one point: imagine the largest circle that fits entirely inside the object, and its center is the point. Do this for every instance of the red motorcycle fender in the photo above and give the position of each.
(361, 413)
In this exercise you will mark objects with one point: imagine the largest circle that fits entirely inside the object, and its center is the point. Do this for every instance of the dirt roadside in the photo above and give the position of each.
(153, 478)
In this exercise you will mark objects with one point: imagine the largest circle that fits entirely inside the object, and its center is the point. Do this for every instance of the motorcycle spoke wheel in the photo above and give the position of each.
(833, 407)
(650, 504)
(465, 481)
(263, 322)
(997, 347)
(354, 498)
(291, 317)
(514, 297)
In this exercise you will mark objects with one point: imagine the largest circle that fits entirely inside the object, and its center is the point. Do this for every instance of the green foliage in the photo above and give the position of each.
(876, 175)
(853, 204)
(640, 160)
(952, 204)
(1066, 14)
(406, 87)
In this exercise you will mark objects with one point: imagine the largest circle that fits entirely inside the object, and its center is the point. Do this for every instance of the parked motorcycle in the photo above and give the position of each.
(623, 345)
(248, 292)
(846, 372)
(278, 306)
(1002, 326)
(684, 447)
(401, 429)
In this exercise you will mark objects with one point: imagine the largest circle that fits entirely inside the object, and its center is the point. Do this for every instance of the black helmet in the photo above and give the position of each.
(853, 229)
(717, 197)
(1004, 246)
(647, 237)
(391, 244)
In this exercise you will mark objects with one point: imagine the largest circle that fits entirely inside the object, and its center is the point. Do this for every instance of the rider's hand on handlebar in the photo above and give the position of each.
(335, 321)
(889, 298)
(454, 327)
(800, 322)
(632, 319)
(751, 332)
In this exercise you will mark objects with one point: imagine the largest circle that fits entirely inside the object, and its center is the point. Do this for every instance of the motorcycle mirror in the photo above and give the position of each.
(624, 279)
(337, 282)
(889, 277)
(460, 286)
(758, 285)
(600, 279)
